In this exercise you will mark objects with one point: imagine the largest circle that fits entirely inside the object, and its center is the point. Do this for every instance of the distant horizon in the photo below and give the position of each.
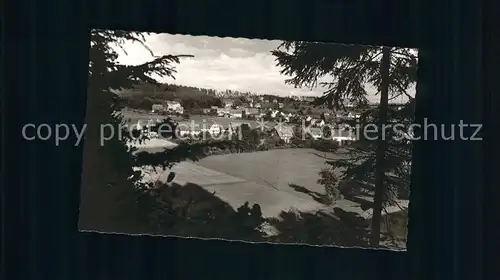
(222, 91)
(272, 94)
(240, 64)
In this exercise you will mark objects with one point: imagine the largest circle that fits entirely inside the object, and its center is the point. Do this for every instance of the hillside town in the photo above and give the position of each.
(284, 116)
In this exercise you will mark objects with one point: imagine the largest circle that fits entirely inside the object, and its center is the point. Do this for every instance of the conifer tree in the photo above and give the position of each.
(114, 197)
(109, 193)
(377, 167)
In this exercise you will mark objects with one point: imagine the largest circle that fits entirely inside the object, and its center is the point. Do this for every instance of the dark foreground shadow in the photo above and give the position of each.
(339, 228)
(318, 197)
(191, 211)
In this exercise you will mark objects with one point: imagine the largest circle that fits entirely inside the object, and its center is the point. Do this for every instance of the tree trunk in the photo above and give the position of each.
(380, 187)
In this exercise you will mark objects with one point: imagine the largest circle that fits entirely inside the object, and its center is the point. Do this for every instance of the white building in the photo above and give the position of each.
(175, 106)
(215, 129)
(316, 133)
(236, 113)
(223, 112)
(228, 103)
(342, 136)
(157, 108)
(188, 129)
(274, 113)
(351, 115)
(284, 132)
(308, 98)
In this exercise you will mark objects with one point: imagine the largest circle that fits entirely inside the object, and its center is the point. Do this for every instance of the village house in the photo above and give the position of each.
(285, 133)
(228, 103)
(352, 116)
(186, 129)
(253, 111)
(195, 129)
(276, 113)
(342, 136)
(315, 122)
(236, 113)
(316, 133)
(308, 98)
(223, 112)
(157, 108)
(215, 129)
(281, 105)
(175, 106)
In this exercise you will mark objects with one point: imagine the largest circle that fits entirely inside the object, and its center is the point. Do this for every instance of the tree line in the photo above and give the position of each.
(144, 96)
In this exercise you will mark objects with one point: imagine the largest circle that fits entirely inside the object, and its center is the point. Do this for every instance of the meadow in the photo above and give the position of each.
(277, 180)
(274, 168)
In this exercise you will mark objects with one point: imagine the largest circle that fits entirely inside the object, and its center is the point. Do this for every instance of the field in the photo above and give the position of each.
(275, 168)
(278, 180)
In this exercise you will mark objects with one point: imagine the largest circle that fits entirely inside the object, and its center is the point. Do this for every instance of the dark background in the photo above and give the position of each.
(46, 58)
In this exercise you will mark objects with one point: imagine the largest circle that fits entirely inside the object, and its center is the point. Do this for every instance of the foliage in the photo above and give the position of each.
(329, 180)
(359, 177)
(190, 210)
(344, 71)
(350, 68)
(340, 228)
(115, 197)
(108, 178)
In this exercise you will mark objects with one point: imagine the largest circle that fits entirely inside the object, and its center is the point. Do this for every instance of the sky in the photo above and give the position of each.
(221, 63)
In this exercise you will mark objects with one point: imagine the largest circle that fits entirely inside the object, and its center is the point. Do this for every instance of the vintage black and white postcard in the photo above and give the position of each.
(248, 140)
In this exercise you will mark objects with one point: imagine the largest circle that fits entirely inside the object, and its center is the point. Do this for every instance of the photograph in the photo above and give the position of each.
(248, 140)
